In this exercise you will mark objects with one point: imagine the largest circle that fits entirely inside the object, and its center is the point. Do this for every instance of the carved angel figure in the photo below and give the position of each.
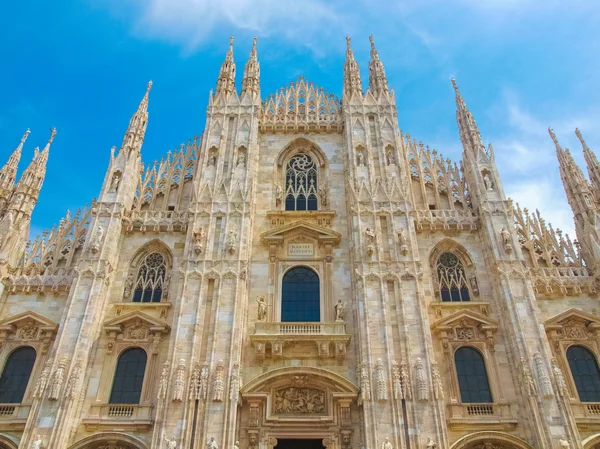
(171, 444)
(262, 308)
(339, 310)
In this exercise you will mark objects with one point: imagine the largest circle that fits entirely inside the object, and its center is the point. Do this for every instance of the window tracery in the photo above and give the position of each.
(151, 279)
(301, 183)
(452, 279)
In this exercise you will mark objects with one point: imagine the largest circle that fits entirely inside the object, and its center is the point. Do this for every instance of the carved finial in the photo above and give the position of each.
(254, 41)
(552, 135)
(348, 39)
(454, 85)
(24, 138)
(52, 134)
(231, 42)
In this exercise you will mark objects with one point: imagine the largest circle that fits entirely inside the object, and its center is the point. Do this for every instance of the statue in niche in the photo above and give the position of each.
(431, 444)
(339, 310)
(116, 180)
(212, 159)
(389, 156)
(487, 181)
(262, 308)
(278, 194)
(129, 282)
(241, 160)
(197, 237)
(212, 444)
(323, 191)
(564, 443)
(505, 235)
(97, 240)
(360, 158)
(370, 236)
(387, 444)
(231, 240)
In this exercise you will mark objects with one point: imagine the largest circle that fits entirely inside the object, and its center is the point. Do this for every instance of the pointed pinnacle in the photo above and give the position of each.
(374, 54)
(24, 138)
(554, 139)
(583, 144)
(52, 135)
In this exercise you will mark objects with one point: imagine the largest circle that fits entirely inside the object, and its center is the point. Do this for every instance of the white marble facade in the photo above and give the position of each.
(396, 229)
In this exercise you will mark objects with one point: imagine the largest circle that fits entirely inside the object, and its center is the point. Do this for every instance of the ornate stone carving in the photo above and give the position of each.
(41, 383)
(487, 182)
(137, 330)
(396, 381)
(387, 444)
(405, 382)
(421, 379)
(365, 384)
(72, 387)
(324, 194)
(203, 388)
(339, 310)
(382, 393)
(254, 417)
(506, 240)
(179, 381)
(370, 241)
(403, 241)
(129, 283)
(97, 240)
(37, 443)
(543, 378)
(438, 389)
(235, 383)
(57, 380)
(431, 444)
(163, 383)
(301, 401)
(212, 444)
(252, 440)
(564, 444)
(193, 393)
(197, 239)
(170, 443)
(528, 381)
(232, 239)
(219, 381)
(28, 331)
(261, 313)
(560, 379)
(346, 439)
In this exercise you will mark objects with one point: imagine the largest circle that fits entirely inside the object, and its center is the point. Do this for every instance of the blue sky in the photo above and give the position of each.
(82, 66)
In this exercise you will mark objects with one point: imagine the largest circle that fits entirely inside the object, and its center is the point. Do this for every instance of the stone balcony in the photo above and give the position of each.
(292, 339)
(480, 416)
(13, 416)
(587, 415)
(444, 220)
(156, 221)
(110, 416)
(561, 281)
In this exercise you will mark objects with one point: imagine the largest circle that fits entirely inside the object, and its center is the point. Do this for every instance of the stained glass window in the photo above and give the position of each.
(451, 278)
(301, 183)
(300, 296)
(150, 280)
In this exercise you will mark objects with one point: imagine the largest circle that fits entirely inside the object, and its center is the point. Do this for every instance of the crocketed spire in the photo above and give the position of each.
(377, 80)
(226, 81)
(33, 177)
(251, 80)
(8, 173)
(352, 81)
(139, 121)
(467, 128)
(593, 166)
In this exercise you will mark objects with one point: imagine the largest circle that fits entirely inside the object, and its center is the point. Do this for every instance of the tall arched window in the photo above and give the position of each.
(452, 279)
(300, 295)
(150, 279)
(129, 377)
(586, 374)
(472, 376)
(301, 183)
(16, 374)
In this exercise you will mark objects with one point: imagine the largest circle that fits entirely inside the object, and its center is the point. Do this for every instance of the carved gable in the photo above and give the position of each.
(466, 326)
(135, 327)
(28, 327)
(572, 326)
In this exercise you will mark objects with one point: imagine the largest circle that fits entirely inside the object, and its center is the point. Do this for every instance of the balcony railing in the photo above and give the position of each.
(445, 219)
(329, 339)
(128, 415)
(156, 221)
(586, 412)
(473, 416)
(13, 416)
(562, 280)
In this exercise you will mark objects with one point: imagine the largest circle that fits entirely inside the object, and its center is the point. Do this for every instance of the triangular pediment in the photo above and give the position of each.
(568, 316)
(462, 316)
(321, 233)
(138, 316)
(29, 316)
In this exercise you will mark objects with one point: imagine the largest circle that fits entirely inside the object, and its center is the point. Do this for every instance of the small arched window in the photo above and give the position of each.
(300, 296)
(129, 377)
(586, 374)
(16, 374)
(452, 281)
(301, 183)
(472, 376)
(150, 279)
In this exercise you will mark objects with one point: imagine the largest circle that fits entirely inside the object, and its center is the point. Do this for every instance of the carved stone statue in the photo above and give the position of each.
(421, 379)
(179, 382)
(57, 381)
(528, 379)
(129, 283)
(219, 382)
(323, 194)
(387, 444)
(203, 381)
(212, 444)
(262, 308)
(231, 240)
(389, 156)
(370, 236)
(241, 160)
(339, 310)
(236, 445)
(97, 240)
(487, 182)
(212, 159)
(564, 443)
(431, 444)
(40, 386)
(365, 384)
(164, 381)
(560, 378)
(505, 235)
(170, 444)
(116, 181)
(403, 240)
(197, 237)
(37, 443)
(278, 194)
(360, 158)
(382, 392)
(405, 382)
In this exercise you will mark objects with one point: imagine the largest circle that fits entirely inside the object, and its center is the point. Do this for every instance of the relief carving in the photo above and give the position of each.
(294, 400)
(219, 382)
(29, 331)
(382, 394)
(136, 331)
(421, 378)
(179, 381)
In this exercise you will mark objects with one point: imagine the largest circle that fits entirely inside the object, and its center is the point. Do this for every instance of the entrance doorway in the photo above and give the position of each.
(299, 444)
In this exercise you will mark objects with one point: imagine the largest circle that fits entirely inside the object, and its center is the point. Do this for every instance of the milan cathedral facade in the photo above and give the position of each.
(302, 275)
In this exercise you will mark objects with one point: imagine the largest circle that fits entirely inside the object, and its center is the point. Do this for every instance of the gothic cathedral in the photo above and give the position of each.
(303, 275)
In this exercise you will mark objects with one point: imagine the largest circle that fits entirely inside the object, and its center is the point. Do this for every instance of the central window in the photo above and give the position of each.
(301, 183)
(300, 296)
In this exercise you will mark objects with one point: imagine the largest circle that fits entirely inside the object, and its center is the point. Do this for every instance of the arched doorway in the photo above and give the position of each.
(490, 440)
(109, 440)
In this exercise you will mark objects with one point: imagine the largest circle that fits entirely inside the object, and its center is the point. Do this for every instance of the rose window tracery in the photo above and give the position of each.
(452, 280)
(151, 278)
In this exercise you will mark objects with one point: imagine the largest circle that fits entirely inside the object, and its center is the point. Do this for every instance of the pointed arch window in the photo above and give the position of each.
(586, 374)
(129, 377)
(300, 296)
(452, 280)
(472, 376)
(16, 374)
(301, 183)
(150, 282)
